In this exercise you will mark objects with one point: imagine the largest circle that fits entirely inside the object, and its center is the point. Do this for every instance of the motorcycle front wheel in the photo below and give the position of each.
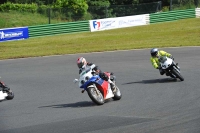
(177, 74)
(96, 97)
(10, 95)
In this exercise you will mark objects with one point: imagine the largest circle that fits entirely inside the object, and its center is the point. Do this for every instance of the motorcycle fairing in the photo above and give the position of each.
(102, 85)
(166, 64)
(91, 80)
(3, 95)
(107, 73)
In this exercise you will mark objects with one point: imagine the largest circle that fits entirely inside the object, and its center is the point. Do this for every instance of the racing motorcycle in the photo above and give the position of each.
(98, 89)
(5, 92)
(170, 67)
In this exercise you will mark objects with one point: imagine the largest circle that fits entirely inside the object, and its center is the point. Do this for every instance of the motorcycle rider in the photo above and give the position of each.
(155, 54)
(82, 64)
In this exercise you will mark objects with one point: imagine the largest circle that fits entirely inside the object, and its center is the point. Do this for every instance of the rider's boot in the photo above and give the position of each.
(112, 87)
(112, 77)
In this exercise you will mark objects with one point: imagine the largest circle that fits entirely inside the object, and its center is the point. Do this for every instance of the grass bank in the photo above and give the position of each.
(21, 19)
(169, 34)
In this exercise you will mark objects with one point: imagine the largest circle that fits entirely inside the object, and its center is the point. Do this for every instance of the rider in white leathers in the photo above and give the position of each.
(82, 64)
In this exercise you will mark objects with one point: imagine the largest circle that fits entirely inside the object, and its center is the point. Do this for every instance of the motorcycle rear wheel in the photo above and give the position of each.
(96, 97)
(117, 94)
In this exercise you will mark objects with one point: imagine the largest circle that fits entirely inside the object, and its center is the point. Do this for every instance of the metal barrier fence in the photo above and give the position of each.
(172, 15)
(83, 26)
(60, 28)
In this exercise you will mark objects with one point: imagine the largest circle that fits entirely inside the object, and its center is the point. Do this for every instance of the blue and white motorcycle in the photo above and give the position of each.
(98, 89)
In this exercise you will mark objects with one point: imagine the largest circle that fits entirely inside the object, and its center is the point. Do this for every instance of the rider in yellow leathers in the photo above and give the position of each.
(155, 54)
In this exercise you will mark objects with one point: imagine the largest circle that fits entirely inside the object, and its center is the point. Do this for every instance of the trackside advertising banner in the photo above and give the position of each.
(13, 34)
(119, 22)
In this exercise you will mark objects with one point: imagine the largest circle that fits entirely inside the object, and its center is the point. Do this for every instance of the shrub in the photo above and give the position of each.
(6, 7)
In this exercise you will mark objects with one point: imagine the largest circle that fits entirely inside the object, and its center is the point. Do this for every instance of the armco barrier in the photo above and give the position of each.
(172, 15)
(61, 28)
(82, 26)
(197, 12)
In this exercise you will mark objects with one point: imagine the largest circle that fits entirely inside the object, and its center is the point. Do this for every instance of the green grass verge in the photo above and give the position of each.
(169, 34)
(20, 19)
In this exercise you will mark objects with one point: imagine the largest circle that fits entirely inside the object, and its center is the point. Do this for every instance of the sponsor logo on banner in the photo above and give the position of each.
(107, 24)
(96, 24)
(10, 34)
(14, 34)
(119, 22)
(132, 21)
(102, 24)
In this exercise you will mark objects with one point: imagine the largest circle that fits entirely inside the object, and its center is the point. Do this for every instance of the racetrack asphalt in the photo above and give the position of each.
(47, 101)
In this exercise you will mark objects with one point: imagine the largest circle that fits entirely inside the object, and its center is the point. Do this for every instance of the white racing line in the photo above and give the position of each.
(96, 52)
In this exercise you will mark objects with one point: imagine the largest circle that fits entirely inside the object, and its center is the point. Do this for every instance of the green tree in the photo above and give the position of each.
(99, 8)
(46, 2)
(72, 8)
(123, 2)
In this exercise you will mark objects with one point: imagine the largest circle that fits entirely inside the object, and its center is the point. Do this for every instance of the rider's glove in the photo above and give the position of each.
(103, 76)
(159, 67)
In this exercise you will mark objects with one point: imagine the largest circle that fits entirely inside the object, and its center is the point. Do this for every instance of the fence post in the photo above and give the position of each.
(170, 7)
(49, 14)
(159, 7)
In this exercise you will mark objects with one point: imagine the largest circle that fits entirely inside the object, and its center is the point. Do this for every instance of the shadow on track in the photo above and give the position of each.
(153, 81)
(71, 105)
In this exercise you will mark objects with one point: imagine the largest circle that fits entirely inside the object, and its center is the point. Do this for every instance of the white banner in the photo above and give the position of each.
(120, 22)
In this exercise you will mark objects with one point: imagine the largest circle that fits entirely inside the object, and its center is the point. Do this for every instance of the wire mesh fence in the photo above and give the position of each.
(99, 12)
(58, 15)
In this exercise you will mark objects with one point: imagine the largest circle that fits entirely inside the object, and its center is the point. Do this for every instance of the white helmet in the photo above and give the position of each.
(81, 62)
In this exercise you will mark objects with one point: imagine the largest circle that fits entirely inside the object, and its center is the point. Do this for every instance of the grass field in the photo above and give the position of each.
(169, 34)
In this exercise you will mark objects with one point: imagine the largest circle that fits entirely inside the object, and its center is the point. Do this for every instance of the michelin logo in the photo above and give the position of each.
(10, 34)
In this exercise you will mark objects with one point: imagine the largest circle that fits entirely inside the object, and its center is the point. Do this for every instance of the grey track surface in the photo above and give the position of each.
(47, 101)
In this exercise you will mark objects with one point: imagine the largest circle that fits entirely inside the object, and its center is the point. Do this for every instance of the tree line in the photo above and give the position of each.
(99, 2)
(90, 2)
(73, 10)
